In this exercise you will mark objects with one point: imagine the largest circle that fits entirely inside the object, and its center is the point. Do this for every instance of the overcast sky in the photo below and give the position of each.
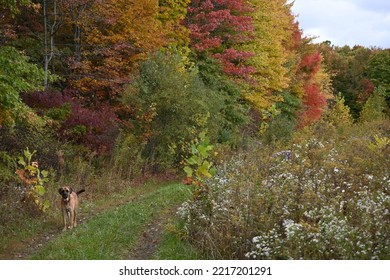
(346, 22)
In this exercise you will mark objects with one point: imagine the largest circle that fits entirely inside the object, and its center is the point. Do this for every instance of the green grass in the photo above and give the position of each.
(111, 234)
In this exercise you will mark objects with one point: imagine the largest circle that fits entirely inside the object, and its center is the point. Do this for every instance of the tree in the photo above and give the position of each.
(117, 35)
(348, 68)
(12, 5)
(374, 108)
(273, 27)
(379, 71)
(316, 86)
(172, 13)
(17, 75)
(170, 105)
(339, 115)
(52, 20)
(217, 29)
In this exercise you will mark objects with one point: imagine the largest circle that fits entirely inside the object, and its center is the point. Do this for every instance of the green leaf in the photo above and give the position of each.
(22, 162)
(197, 159)
(204, 169)
(188, 170)
(40, 190)
(28, 154)
(202, 150)
(191, 161)
(33, 170)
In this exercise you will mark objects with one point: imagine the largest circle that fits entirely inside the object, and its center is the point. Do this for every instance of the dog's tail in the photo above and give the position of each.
(80, 191)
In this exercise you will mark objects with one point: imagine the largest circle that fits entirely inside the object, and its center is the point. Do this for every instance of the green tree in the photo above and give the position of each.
(348, 68)
(379, 71)
(17, 75)
(339, 115)
(375, 107)
(170, 106)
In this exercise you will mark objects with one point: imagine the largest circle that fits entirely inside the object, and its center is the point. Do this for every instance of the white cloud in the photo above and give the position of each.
(346, 22)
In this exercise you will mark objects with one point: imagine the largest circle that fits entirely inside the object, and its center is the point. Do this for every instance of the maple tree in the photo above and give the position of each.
(218, 28)
(118, 34)
(273, 28)
(315, 87)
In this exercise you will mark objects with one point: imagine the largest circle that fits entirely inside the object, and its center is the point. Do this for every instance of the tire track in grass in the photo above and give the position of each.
(113, 234)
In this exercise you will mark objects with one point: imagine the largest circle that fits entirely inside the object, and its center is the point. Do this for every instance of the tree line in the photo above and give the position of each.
(136, 81)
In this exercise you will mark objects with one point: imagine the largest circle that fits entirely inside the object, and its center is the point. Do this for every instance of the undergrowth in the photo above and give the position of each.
(325, 196)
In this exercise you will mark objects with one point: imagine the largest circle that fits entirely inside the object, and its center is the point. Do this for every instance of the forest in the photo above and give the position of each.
(283, 143)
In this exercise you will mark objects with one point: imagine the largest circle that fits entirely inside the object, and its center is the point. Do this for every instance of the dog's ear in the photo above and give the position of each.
(60, 191)
(70, 189)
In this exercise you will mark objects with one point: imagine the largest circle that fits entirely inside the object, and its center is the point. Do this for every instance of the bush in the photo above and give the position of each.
(171, 105)
(96, 129)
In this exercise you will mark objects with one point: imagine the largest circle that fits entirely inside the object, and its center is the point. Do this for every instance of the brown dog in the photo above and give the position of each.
(69, 204)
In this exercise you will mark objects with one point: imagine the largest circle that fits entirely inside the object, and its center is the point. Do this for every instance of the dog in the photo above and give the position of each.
(69, 205)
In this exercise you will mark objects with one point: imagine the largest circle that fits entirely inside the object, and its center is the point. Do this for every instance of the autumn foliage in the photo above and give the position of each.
(314, 99)
(218, 28)
(247, 60)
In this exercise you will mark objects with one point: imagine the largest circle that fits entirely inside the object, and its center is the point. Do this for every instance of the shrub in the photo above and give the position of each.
(93, 128)
(33, 180)
(171, 104)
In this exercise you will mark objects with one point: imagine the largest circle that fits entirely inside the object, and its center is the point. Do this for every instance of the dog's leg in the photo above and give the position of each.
(75, 218)
(64, 217)
(71, 219)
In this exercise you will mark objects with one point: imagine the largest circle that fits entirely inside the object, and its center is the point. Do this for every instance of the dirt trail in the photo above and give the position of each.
(151, 237)
(28, 247)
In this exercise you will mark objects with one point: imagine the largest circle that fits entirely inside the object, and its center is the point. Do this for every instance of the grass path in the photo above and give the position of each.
(117, 233)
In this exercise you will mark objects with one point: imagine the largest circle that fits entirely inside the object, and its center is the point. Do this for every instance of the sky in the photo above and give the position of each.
(345, 22)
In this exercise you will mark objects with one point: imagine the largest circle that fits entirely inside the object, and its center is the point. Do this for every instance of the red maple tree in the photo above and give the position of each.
(217, 28)
(314, 100)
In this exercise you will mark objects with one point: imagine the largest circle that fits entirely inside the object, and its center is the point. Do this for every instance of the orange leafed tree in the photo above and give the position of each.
(117, 35)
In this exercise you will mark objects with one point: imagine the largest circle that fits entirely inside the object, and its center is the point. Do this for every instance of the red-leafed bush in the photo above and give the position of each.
(94, 128)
